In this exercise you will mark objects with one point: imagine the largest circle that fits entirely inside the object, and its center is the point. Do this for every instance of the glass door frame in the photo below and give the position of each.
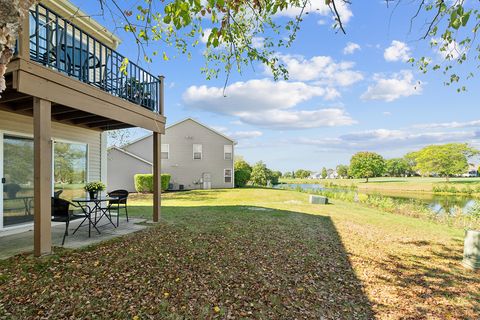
(87, 167)
(30, 136)
(2, 136)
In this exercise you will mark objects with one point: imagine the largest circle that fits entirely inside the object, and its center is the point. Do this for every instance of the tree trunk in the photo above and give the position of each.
(366, 180)
(11, 16)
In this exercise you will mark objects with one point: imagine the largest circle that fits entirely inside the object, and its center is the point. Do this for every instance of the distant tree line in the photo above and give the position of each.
(446, 160)
(257, 175)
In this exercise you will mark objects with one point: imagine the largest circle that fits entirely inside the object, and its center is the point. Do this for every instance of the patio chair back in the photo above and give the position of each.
(122, 196)
(60, 208)
(57, 194)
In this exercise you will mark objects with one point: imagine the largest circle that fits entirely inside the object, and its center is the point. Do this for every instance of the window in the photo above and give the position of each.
(197, 152)
(227, 175)
(165, 151)
(70, 168)
(227, 151)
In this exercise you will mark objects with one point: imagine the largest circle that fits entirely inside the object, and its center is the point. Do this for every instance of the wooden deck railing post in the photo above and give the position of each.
(157, 177)
(42, 171)
(23, 41)
(161, 107)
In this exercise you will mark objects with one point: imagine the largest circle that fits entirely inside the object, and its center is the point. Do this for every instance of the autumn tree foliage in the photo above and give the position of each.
(12, 13)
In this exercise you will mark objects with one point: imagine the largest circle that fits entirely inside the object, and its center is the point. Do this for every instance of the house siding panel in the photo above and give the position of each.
(122, 168)
(180, 165)
(15, 123)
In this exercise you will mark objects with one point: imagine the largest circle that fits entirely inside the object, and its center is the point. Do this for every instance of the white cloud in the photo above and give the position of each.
(398, 51)
(320, 8)
(206, 33)
(258, 42)
(451, 51)
(401, 84)
(387, 113)
(322, 69)
(303, 119)
(240, 135)
(251, 95)
(384, 139)
(450, 125)
(351, 47)
(267, 104)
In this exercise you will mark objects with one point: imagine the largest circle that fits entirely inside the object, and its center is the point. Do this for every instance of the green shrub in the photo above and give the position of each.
(144, 182)
(242, 173)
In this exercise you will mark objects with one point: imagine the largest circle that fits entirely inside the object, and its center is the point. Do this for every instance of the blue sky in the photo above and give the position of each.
(346, 93)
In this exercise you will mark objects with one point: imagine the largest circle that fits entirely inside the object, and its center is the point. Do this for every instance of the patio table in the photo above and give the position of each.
(90, 206)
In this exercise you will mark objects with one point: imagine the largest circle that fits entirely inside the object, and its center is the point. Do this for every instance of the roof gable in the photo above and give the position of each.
(175, 124)
(131, 155)
(200, 124)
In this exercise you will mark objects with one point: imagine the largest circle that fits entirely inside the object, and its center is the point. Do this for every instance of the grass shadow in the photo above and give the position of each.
(200, 262)
(434, 274)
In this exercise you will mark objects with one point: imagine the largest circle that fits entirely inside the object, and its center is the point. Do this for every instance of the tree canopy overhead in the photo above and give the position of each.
(238, 33)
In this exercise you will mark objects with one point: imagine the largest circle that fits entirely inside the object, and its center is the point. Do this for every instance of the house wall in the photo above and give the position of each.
(15, 123)
(121, 169)
(180, 165)
(143, 148)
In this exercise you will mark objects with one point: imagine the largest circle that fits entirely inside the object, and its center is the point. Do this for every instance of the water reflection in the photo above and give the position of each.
(440, 204)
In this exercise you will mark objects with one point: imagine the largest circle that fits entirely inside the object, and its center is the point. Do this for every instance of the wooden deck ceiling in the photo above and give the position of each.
(73, 102)
(17, 102)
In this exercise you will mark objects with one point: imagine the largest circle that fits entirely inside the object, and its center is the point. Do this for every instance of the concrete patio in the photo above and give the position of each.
(20, 240)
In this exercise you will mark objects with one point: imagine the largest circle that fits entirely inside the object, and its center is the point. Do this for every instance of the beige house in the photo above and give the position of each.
(64, 91)
(196, 157)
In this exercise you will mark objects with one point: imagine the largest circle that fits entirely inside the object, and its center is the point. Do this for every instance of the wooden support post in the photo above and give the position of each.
(42, 176)
(157, 177)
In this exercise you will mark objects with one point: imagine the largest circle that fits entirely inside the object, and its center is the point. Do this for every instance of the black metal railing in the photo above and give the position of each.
(59, 44)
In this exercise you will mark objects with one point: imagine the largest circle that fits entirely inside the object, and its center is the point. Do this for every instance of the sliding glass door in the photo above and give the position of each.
(70, 169)
(17, 180)
(69, 176)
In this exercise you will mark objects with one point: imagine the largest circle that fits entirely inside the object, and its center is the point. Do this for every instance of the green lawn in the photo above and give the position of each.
(252, 253)
(412, 184)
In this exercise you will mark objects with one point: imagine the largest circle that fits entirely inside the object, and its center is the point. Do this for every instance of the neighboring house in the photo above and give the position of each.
(196, 157)
(64, 91)
(332, 174)
(472, 171)
(315, 175)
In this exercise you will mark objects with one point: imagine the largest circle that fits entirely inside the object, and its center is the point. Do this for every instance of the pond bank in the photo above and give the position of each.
(470, 186)
(455, 210)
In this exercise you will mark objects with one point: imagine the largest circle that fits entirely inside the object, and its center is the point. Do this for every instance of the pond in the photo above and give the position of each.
(440, 204)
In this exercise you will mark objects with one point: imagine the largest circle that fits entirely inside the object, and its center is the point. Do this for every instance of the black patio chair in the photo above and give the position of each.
(61, 213)
(120, 203)
(57, 194)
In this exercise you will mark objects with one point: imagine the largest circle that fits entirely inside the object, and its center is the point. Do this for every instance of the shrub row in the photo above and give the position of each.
(144, 182)
(445, 188)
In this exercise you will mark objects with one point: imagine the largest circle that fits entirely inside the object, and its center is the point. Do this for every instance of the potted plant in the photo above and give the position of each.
(93, 188)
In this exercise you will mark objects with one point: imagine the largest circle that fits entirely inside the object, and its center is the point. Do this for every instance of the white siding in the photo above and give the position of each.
(121, 170)
(15, 123)
(180, 164)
